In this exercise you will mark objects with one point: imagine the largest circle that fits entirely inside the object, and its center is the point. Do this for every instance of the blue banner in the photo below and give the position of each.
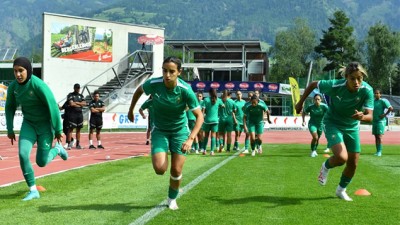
(264, 87)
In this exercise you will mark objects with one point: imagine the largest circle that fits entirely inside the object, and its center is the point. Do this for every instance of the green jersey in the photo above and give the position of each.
(239, 110)
(317, 113)
(148, 104)
(169, 105)
(379, 108)
(344, 103)
(37, 104)
(255, 114)
(211, 110)
(226, 111)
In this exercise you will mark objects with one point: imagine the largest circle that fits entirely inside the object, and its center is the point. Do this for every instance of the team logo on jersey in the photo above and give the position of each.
(178, 99)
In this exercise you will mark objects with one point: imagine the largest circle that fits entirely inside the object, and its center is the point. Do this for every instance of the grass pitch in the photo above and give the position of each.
(278, 187)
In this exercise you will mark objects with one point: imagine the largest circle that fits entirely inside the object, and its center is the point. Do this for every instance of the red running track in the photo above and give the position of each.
(125, 145)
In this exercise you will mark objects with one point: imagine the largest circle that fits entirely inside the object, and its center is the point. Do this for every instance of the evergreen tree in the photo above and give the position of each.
(337, 43)
(383, 51)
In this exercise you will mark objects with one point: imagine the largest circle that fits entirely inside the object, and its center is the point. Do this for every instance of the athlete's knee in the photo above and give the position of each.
(41, 163)
(159, 171)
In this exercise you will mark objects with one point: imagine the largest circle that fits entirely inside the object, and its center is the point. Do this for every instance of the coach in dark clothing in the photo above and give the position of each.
(76, 102)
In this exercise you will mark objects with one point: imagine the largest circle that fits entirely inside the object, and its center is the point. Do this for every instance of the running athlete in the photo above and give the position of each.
(171, 96)
(97, 107)
(41, 122)
(210, 111)
(253, 121)
(317, 112)
(200, 135)
(379, 119)
(227, 121)
(352, 101)
(239, 102)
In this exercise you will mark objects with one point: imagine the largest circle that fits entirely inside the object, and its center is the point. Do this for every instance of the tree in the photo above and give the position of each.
(337, 44)
(292, 51)
(382, 52)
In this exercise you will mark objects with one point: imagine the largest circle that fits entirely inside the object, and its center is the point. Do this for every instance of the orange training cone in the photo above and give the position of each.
(326, 155)
(362, 192)
(40, 188)
(241, 154)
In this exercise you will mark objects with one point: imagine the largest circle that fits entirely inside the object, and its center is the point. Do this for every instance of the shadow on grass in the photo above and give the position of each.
(16, 195)
(122, 207)
(276, 200)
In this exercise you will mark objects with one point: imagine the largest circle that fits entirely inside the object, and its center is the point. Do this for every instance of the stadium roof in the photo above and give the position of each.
(7, 54)
(216, 45)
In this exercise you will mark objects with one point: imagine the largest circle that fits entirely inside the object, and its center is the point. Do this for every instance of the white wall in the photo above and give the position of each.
(61, 74)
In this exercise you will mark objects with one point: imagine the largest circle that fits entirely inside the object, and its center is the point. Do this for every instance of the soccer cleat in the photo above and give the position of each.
(61, 151)
(314, 154)
(323, 174)
(100, 146)
(212, 153)
(245, 151)
(341, 193)
(260, 150)
(197, 152)
(31, 195)
(92, 147)
(147, 142)
(378, 154)
(327, 150)
(204, 152)
(66, 146)
(221, 148)
(172, 204)
(73, 141)
(69, 147)
(79, 147)
(253, 153)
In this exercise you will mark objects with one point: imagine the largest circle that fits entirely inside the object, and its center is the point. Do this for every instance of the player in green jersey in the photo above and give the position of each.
(239, 102)
(253, 121)
(379, 119)
(171, 96)
(317, 112)
(210, 109)
(351, 102)
(41, 122)
(227, 121)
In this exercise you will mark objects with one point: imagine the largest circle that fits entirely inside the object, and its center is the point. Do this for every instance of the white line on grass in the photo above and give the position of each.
(162, 206)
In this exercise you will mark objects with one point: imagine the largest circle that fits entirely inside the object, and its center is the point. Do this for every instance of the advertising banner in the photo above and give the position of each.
(3, 96)
(264, 87)
(71, 41)
(295, 93)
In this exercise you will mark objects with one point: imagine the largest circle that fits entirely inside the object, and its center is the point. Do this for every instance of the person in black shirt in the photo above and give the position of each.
(76, 102)
(97, 107)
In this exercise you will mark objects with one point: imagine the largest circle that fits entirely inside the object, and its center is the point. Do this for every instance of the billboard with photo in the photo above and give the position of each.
(73, 41)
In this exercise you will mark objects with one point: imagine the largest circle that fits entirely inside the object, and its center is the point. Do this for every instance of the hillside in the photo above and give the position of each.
(190, 19)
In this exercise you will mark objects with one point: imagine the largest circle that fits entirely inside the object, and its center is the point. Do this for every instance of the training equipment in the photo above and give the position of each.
(40, 188)
(323, 174)
(362, 192)
(326, 155)
(241, 154)
(31, 195)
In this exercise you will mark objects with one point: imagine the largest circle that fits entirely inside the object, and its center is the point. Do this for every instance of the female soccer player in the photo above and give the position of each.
(41, 122)
(171, 95)
(253, 121)
(317, 112)
(352, 101)
(379, 119)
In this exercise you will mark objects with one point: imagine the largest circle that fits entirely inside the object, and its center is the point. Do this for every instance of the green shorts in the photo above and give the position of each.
(257, 128)
(239, 127)
(162, 141)
(315, 129)
(226, 125)
(350, 138)
(378, 128)
(213, 127)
